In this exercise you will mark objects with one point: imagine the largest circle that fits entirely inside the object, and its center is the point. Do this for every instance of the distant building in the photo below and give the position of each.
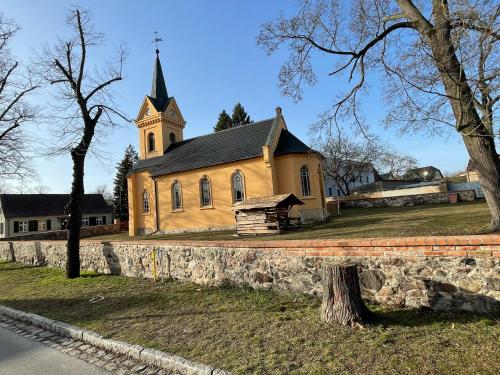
(471, 172)
(367, 176)
(22, 214)
(423, 174)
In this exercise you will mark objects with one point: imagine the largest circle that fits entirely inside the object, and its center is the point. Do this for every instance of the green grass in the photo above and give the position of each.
(435, 220)
(255, 332)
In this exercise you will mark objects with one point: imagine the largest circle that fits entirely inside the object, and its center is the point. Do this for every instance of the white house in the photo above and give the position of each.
(366, 176)
(22, 214)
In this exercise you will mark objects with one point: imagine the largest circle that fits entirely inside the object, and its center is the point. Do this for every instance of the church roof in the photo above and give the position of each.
(239, 143)
(159, 96)
(36, 205)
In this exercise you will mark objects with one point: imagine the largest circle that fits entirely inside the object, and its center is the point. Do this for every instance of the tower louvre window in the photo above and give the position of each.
(151, 142)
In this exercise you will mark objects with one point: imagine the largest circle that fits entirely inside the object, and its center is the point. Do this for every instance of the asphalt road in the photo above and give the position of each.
(22, 356)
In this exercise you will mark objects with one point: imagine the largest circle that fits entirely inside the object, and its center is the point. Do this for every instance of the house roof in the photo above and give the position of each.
(423, 173)
(268, 202)
(226, 146)
(290, 144)
(34, 205)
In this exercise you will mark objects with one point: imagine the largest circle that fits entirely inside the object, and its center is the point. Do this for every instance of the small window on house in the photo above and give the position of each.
(145, 202)
(366, 179)
(98, 220)
(49, 224)
(338, 193)
(330, 193)
(1, 228)
(176, 196)
(205, 196)
(171, 138)
(85, 222)
(151, 142)
(33, 225)
(238, 191)
(304, 179)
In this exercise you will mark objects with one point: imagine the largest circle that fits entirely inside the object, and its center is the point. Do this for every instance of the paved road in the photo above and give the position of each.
(22, 356)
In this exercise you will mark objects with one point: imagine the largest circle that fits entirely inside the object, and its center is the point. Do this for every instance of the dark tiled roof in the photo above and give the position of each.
(428, 173)
(290, 144)
(243, 142)
(34, 205)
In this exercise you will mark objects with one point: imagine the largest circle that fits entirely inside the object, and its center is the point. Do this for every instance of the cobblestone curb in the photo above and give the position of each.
(162, 360)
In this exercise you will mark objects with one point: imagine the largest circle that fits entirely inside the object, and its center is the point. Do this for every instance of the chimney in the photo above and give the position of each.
(278, 111)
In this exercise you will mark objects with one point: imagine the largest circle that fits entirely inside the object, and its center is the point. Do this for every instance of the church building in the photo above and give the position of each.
(194, 184)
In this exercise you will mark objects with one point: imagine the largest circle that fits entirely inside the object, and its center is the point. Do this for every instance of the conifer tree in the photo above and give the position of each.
(240, 117)
(120, 191)
(224, 122)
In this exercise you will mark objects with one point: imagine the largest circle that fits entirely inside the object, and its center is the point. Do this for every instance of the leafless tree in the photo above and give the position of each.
(15, 87)
(41, 189)
(105, 191)
(438, 61)
(84, 107)
(346, 158)
(395, 163)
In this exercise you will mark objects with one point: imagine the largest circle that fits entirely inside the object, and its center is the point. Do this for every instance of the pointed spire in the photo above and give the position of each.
(159, 89)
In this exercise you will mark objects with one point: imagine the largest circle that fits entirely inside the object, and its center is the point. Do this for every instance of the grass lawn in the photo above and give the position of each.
(442, 219)
(255, 332)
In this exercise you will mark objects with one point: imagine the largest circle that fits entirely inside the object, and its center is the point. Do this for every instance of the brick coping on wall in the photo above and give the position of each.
(434, 246)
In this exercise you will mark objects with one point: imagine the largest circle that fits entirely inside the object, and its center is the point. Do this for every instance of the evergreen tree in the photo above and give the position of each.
(224, 122)
(120, 191)
(240, 117)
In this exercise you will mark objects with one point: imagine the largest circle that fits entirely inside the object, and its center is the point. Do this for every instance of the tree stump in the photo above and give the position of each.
(342, 303)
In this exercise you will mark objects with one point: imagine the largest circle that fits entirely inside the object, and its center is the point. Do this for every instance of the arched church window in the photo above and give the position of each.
(237, 187)
(171, 138)
(151, 142)
(304, 179)
(176, 196)
(145, 202)
(205, 193)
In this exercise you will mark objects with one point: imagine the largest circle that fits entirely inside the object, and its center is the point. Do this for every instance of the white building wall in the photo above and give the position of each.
(332, 190)
(55, 223)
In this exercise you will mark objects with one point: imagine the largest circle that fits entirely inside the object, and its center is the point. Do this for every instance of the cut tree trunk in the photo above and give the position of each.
(342, 303)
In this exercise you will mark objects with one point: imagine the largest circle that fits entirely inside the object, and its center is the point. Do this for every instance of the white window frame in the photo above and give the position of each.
(23, 227)
(145, 202)
(42, 225)
(98, 220)
(305, 182)
(241, 182)
(85, 221)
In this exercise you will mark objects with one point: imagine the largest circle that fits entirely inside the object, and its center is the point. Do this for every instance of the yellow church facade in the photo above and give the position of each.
(194, 184)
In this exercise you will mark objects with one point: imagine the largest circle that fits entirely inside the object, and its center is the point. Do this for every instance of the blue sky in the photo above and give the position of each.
(210, 61)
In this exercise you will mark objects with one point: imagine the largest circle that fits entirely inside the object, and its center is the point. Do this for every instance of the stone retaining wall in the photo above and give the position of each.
(460, 273)
(406, 200)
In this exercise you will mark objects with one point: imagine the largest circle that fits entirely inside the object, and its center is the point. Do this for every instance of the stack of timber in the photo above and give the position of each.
(267, 215)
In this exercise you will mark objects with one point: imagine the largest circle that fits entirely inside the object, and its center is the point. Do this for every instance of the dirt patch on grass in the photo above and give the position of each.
(258, 332)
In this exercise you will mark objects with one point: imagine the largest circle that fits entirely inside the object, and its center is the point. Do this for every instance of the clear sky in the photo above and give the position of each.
(210, 61)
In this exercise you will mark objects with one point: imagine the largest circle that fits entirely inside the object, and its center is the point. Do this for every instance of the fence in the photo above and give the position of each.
(309, 214)
(460, 186)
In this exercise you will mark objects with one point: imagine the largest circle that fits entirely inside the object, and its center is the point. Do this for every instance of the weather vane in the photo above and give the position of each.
(156, 40)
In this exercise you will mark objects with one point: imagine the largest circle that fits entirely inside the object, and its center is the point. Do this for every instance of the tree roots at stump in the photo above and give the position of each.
(342, 303)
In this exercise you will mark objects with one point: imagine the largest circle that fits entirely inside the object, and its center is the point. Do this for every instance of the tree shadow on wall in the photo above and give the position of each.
(447, 303)
(111, 258)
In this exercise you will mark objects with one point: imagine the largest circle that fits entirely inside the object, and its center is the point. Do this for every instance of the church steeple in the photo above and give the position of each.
(159, 88)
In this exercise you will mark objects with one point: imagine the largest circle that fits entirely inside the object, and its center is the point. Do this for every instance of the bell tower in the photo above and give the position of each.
(159, 121)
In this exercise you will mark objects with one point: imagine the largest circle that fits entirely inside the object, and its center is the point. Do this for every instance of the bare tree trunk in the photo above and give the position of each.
(342, 303)
(487, 164)
(75, 217)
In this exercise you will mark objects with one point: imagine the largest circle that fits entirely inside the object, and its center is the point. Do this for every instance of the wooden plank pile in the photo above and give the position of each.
(268, 215)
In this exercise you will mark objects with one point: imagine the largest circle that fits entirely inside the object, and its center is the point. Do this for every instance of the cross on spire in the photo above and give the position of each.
(157, 40)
